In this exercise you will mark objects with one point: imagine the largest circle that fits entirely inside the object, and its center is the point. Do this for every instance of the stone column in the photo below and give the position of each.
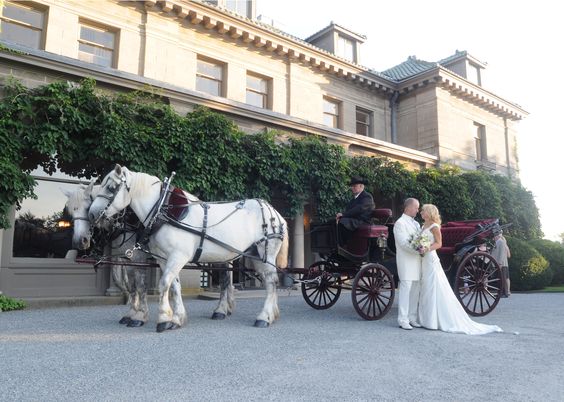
(297, 259)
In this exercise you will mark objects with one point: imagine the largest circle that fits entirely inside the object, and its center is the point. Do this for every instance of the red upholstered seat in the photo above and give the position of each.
(474, 223)
(454, 235)
(359, 242)
(370, 231)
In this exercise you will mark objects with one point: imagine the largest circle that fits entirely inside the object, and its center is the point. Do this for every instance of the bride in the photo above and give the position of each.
(438, 306)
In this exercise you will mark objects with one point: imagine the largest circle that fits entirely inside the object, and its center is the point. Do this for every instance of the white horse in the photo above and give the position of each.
(251, 226)
(130, 280)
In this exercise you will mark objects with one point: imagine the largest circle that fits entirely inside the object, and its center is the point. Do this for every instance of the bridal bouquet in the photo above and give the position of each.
(419, 242)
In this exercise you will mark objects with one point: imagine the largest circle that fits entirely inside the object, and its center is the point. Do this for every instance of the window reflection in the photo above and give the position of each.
(96, 45)
(21, 24)
(42, 229)
(209, 77)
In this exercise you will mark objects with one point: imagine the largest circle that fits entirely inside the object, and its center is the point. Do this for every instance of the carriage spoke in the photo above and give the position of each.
(363, 299)
(487, 301)
(366, 308)
(317, 294)
(367, 285)
(324, 297)
(475, 297)
(364, 289)
(328, 290)
(374, 305)
(380, 309)
(493, 297)
(365, 303)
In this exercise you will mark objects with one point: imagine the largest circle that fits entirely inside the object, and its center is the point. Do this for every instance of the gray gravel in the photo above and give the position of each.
(82, 353)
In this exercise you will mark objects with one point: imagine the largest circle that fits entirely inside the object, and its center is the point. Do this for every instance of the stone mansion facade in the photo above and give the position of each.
(217, 54)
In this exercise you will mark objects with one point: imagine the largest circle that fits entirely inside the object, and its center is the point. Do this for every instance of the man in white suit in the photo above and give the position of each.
(409, 265)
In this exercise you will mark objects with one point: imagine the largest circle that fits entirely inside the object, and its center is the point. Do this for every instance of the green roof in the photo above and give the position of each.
(412, 66)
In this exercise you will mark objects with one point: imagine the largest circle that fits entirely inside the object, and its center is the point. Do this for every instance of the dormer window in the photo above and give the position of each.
(345, 48)
(338, 40)
(466, 66)
(473, 74)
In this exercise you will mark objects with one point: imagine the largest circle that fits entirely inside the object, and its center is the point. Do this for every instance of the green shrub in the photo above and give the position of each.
(554, 253)
(528, 269)
(9, 304)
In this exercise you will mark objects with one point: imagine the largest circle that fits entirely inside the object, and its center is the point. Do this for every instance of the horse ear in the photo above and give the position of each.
(88, 189)
(66, 192)
(117, 169)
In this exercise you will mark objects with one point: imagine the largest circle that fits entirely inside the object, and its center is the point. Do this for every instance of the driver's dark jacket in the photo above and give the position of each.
(358, 211)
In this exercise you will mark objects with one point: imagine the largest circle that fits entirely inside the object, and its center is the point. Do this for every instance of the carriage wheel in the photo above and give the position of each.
(373, 291)
(478, 284)
(325, 292)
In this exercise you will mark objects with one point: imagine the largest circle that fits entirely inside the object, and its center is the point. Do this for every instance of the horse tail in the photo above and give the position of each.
(282, 257)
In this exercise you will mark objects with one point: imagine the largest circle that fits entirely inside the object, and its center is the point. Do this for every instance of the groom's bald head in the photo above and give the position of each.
(411, 206)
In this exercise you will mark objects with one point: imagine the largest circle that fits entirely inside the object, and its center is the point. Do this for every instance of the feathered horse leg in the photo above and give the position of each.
(140, 308)
(226, 303)
(169, 318)
(270, 311)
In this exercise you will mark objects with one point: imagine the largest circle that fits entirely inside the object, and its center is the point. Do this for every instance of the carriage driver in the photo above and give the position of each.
(357, 212)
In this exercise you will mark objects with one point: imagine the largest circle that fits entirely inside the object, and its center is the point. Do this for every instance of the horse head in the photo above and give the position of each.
(77, 205)
(113, 196)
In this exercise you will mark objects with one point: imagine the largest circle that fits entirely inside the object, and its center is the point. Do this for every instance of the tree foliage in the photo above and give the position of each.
(84, 131)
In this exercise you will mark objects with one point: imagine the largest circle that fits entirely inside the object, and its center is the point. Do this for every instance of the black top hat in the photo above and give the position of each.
(357, 180)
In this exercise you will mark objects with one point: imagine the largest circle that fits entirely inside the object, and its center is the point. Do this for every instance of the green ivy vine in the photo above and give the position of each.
(83, 131)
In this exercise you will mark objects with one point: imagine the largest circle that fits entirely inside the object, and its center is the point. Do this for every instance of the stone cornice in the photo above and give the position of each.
(73, 69)
(236, 28)
(463, 89)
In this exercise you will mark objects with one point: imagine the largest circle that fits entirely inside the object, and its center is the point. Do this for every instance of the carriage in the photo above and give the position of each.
(205, 236)
(367, 266)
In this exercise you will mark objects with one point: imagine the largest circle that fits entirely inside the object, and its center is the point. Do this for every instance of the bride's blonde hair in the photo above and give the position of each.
(433, 213)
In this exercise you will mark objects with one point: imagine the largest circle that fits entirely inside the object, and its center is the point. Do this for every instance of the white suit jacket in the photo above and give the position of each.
(408, 260)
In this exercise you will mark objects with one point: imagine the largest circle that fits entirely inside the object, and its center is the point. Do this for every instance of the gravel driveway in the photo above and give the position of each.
(83, 354)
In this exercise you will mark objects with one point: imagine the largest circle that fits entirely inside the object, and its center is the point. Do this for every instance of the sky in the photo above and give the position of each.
(517, 39)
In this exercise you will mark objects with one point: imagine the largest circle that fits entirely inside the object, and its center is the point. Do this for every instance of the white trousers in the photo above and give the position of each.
(408, 301)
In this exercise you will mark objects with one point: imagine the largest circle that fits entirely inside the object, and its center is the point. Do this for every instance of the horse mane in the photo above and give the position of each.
(141, 184)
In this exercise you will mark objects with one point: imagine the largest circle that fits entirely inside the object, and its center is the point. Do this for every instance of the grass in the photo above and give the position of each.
(553, 289)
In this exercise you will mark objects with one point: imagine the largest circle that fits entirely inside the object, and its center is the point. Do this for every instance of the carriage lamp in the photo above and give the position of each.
(382, 241)
(63, 224)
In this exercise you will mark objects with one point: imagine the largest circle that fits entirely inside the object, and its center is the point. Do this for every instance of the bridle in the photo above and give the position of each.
(110, 198)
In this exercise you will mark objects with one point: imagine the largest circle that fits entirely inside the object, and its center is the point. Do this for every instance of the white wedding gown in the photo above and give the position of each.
(438, 306)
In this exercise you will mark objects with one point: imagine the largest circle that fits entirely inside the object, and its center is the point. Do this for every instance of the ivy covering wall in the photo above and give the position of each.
(83, 132)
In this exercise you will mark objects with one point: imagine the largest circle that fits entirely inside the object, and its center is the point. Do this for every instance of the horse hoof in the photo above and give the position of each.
(125, 320)
(135, 323)
(168, 325)
(218, 316)
(163, 326)
(261, 324)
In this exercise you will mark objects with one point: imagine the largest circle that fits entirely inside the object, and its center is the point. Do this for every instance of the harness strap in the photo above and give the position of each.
(188, 229)
(198, 252)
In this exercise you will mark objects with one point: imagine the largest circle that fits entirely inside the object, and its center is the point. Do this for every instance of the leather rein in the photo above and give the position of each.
(159, 215)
